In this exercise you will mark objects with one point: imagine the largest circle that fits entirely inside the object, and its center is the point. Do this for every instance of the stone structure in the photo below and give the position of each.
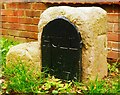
(91, 22)
(27, 52)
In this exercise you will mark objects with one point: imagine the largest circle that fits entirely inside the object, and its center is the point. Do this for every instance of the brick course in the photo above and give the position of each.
(20, 20)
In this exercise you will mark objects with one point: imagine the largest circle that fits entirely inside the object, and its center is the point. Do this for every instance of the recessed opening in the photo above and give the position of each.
(61, 45)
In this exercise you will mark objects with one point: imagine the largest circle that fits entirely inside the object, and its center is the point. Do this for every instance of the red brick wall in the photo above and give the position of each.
(20, 20)
(113, 31)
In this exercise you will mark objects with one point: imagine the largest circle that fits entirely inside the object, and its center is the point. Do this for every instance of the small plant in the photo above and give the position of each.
(113, 68)
(96, 87)
(55, 86)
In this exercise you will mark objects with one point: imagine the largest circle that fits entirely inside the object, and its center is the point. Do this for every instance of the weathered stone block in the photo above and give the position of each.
(28, 53)
(91, 22)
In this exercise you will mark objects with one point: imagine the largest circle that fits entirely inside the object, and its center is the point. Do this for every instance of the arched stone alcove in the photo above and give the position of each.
(91, 23)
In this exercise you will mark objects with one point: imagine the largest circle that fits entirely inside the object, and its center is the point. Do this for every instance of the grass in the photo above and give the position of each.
(20, 79)
(5, 45)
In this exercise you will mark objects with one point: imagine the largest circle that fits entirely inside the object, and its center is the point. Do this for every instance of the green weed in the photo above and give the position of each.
(96, 87)
(55, 86)
(5, 45)
(21, 79)
(113, 67)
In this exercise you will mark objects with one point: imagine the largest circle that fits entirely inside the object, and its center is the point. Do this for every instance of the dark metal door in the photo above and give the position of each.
(61, 49)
